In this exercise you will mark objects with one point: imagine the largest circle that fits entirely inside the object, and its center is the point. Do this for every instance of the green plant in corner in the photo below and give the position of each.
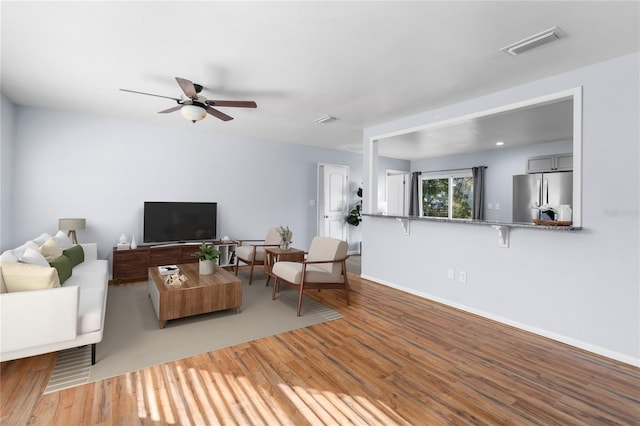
(354, 218)
(207, 252)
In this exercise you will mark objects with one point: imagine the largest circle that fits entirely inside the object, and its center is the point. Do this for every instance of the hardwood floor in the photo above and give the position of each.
(393, 359)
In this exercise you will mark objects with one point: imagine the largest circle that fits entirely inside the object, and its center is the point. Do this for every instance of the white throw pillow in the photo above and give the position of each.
(40, 239)
(19, 251)
(63, 241)
(34, 257)
(24, 277)
(8, 256)
(50, 250)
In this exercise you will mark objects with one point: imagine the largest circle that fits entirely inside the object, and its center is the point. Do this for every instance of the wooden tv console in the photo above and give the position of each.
(133, 264)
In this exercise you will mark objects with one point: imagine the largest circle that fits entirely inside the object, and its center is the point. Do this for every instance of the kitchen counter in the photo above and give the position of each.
(477, 222)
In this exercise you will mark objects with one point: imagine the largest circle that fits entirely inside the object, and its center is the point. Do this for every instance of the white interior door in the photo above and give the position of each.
(333, 200)
(397, 193)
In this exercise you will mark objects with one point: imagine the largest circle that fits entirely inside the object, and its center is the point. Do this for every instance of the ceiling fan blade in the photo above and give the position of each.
(221, 115)
(150, 94)
(241, 104)
(172, 109)
(187, 87)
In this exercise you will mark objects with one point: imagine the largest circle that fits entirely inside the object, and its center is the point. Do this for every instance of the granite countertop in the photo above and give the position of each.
(476, 222)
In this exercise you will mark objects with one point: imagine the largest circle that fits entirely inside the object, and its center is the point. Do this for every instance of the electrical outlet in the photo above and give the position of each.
(462, 275)
(451, 274)
(497, 206)
(490, 206)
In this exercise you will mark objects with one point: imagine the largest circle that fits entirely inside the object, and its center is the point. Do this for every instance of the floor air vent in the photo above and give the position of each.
(531, 42)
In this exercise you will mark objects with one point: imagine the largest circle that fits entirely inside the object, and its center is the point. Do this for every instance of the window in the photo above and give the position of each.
(448, 195)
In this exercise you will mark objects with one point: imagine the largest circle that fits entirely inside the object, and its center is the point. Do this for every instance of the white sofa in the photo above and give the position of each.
(34, 322)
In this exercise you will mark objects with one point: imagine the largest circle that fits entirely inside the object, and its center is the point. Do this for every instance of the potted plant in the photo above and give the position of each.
(208, 256)
(354, 218)
(285, 237)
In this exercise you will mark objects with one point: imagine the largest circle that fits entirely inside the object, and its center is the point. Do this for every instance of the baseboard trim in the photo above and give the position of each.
(535, 330)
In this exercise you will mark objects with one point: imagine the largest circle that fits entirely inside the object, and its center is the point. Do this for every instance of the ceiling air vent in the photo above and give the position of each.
(325, 119)
(531, 42)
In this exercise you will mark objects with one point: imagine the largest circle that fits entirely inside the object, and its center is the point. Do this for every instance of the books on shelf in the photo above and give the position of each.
(168, 270)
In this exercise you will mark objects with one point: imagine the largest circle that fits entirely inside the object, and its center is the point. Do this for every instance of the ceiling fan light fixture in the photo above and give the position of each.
(195, 107)
(193, 113)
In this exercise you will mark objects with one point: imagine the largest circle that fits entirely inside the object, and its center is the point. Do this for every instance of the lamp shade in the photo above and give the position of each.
(71, 224)
(193, 112)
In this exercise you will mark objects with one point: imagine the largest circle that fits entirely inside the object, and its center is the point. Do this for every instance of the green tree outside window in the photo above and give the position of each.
(449, 197)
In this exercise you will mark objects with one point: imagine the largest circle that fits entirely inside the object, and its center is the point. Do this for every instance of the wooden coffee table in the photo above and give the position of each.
(199, 294)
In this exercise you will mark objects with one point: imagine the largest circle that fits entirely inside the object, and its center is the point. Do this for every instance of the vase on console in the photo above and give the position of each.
(134, 245)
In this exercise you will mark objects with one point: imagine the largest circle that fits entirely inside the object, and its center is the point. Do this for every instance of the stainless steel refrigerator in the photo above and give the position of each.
(533, 190)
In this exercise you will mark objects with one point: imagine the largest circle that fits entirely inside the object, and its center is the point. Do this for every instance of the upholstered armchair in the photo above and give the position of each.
(251, 252)
(325, 267)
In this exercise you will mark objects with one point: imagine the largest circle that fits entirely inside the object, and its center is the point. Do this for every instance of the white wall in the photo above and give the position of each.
(103, 169)
(6, 168)
(579, 287)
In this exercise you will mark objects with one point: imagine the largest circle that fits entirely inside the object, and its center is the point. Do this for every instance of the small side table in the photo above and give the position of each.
(276, 254)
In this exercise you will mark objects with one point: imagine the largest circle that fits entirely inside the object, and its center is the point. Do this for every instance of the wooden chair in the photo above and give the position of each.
(253, 254)
(324, 267)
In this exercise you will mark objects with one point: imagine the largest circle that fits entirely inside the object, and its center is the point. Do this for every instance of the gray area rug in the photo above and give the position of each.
(133, 341)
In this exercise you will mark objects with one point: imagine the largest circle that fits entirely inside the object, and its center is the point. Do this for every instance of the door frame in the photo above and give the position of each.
(321, 201)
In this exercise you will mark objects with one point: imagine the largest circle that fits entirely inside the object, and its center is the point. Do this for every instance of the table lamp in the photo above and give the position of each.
(71, 225)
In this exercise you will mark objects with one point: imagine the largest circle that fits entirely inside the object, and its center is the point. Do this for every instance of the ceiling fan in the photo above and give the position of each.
(194, 107)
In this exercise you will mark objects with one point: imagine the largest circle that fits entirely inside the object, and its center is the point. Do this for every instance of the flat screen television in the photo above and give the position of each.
(166, 222)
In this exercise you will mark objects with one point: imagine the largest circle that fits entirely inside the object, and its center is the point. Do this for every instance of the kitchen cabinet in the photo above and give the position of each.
(550, 163)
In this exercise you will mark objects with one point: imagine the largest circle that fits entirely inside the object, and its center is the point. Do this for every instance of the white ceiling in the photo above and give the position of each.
(363, 62)
(540, 123)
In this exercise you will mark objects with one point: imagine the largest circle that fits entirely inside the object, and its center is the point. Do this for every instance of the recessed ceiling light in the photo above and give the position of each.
(499, 143)
(325, 119)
